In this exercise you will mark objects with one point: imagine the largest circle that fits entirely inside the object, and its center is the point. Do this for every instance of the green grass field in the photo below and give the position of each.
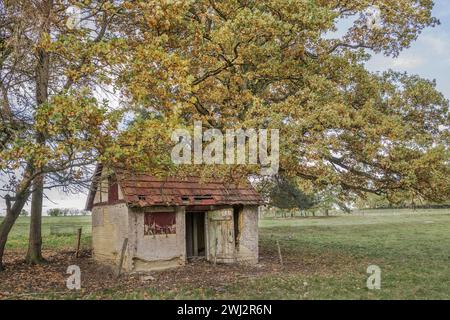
(18, 238)
(324, 257)
(411, 248)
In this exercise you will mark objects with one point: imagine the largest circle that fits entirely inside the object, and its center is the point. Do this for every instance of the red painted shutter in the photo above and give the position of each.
(160, 223)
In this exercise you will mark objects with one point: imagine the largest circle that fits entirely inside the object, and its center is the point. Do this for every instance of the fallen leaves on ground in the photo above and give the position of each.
(22, 281)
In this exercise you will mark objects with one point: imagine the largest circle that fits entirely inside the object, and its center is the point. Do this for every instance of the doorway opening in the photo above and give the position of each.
(195, 235)
(237, 215)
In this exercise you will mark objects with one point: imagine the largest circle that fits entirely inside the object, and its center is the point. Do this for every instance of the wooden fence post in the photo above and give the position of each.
(279, 253)
(78, 242)
(122, 254)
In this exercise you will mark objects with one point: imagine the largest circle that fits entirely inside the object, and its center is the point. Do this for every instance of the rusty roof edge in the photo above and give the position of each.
(232, 193)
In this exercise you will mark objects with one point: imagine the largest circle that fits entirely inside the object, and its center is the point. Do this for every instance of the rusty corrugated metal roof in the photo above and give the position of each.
(141, 190)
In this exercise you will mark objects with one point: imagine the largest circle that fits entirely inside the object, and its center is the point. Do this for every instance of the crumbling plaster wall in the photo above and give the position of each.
(109, 229)
(111, 224)
(247, 250)
(155, 252)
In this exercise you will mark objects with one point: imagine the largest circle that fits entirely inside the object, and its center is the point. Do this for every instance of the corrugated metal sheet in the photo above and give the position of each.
(143, 190)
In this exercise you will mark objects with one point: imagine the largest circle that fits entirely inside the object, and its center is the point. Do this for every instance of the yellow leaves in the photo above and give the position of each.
(44, 43)
(251, 64)
(73, 124)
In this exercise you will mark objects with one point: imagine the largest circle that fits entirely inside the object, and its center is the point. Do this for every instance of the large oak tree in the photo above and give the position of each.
(280, 64)
(231, 64)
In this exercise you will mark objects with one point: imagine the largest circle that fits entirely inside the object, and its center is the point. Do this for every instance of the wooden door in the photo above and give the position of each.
(220, 236)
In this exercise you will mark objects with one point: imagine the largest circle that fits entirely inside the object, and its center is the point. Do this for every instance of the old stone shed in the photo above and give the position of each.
(169, 222)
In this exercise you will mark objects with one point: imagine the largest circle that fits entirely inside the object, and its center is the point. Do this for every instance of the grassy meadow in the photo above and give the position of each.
(324, 258)
(18, 238)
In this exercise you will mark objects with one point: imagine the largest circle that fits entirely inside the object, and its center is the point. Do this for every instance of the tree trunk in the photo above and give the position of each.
(5, 228)
(12, 213)
(34, 253)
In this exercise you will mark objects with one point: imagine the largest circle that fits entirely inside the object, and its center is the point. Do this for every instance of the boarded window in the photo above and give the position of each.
(159, 223)
(113, 190)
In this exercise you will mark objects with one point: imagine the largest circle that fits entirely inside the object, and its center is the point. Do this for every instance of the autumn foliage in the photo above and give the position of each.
(114, 88)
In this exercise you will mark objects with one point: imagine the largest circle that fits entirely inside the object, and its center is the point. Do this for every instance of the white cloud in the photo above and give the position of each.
(436, 44)
(408, 61)
(405, 62)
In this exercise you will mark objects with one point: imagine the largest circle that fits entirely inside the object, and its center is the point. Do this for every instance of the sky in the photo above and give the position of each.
(428, 57)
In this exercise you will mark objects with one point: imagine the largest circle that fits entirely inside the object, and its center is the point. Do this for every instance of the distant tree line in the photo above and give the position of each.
(24, 213)
(381, 202)
(66, 212)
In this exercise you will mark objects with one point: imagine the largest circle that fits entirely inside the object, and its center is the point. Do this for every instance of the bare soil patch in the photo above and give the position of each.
(23, 281)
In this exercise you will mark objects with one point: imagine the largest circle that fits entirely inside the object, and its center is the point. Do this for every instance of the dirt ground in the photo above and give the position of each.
(22, 281)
